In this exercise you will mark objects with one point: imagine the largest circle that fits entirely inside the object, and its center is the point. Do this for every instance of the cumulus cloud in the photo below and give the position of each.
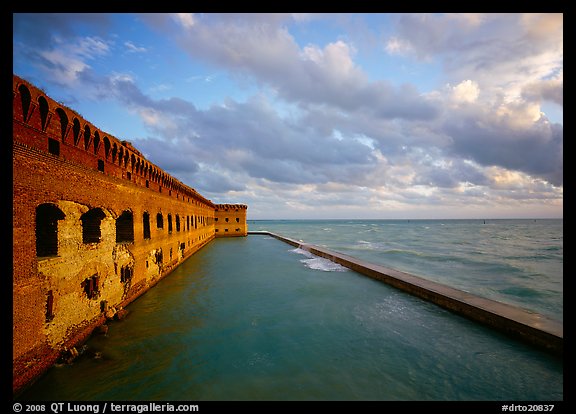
(342, 138)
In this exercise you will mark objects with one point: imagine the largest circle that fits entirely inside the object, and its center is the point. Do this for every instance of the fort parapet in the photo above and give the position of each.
(95, 225)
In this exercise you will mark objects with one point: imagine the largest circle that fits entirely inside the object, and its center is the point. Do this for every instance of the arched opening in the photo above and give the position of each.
(26, 99)
(120, 156)
(106, 147)
(125, 228)
(96, 141)
(114, 152)
(63, 122)
(177, 222)
(91, 220)
(159, 221)
(87, 137)
(47, 216)
(43, 105)
(76, 131)
(169, 223)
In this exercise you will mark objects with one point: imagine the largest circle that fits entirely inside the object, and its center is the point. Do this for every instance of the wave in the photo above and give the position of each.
(318, 263)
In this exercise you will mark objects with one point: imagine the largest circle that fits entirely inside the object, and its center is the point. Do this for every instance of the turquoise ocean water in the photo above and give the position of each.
(255, 319)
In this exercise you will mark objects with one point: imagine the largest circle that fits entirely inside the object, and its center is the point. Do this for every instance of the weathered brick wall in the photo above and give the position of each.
(61, 160)
(230, 220)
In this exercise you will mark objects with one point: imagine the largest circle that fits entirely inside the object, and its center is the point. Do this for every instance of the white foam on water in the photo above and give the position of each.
(318, 263)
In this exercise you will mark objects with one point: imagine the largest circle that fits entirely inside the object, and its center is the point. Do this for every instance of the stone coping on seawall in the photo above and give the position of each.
(525, 325)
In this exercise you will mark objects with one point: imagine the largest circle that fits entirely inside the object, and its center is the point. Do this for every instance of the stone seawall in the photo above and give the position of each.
(522, 324)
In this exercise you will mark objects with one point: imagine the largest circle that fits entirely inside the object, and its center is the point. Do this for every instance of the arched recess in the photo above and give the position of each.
(114, 152)
(96, 141)
(44, 111)
(26, 98)
(106, 147)
(47, 216)
(76, 131)
(63, 122)
(87, 137)
(91, 220)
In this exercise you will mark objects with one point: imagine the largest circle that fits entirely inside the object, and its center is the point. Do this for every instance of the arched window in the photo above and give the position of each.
(76, 131)
(63, 121)
(26, 99)
(91, 232)
(159, 221)
(96, 141)
(106, 147)
(177, 222)
(114, 152)
(120, 156)
(43, 104)
(47, 216)
(125, 228)
(146, 225)
(87, 134)
(169, 223)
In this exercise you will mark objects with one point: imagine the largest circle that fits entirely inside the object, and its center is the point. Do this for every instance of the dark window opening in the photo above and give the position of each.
(226, 219)
(86, 137)
(159, 221)
(158, 256)
(146, 225)
(126, 273)
(128, 175)
(26, 99)
(237, 220)
(47, 216)
(125, 228)
(76, 131)
(101, 165)
(90, 286)
(216, 219)
(177, 222)
(114, 153)
(106, 147)
(53, 147)
(96, 142)
(226, 230)
(187, 223)
(182, 246)
(63, 122)
(170, 253)
(43, 104)
(169, 223)
(49, 306)
(91, 225)
(237, 229)
(147, 184)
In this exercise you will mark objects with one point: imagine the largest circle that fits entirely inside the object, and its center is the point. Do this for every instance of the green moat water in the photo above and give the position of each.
(251, 319)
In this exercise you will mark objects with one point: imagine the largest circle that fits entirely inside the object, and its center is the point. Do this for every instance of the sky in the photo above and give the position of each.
(322, 116)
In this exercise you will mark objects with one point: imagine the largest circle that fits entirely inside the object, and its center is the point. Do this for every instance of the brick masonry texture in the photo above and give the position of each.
(110, 224)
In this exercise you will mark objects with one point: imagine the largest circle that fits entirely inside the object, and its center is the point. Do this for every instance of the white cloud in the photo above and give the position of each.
(186, 20)
(466, 91)
(133, 48)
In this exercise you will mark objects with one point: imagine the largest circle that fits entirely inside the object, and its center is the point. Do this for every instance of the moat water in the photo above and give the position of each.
(255, 319)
